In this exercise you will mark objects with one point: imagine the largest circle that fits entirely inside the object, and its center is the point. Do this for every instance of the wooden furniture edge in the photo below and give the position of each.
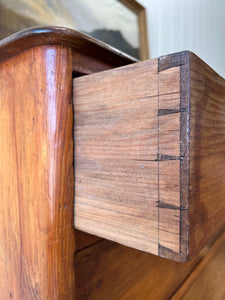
(52, 35)
(206, 208)
(37, 229)
(190, 280)
(181, 59)
(139, 274)
(186, 61)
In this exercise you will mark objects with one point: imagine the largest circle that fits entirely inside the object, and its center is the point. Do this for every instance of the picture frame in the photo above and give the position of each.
(142, 22)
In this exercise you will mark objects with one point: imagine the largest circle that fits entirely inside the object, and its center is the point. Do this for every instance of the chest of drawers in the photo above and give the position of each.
(134, 154)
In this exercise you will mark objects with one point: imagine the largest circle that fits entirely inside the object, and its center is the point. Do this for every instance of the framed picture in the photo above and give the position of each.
(140, 11)
(119, 23)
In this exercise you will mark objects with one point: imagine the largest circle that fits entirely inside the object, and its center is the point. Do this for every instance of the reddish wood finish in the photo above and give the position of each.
(84, 64)
(108, 270)
(36, 162)
(37, 183)
(38, 36)
(207, 154)
(84, 240)
(207, 279)
(37, 247)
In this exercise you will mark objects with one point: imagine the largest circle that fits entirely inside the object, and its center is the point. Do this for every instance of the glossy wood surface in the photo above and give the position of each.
(51, 35)
(37, 66)
(36, 171)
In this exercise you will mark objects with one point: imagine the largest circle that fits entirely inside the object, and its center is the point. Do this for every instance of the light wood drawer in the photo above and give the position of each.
(150, 155)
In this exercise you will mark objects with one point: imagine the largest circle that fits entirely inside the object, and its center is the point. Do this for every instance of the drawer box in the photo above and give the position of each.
(150, 155)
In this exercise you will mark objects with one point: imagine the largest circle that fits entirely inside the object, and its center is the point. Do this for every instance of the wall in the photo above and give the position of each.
(196, 25)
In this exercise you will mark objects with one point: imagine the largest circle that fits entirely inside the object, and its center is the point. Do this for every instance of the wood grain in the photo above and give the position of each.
(107, 270)
(169, 101)
(207, 160)
(122, 148)
(149, 155)
(110, 107)
(84, 64)
(84, 240)
(36, 173)
(207, 279)
(169, 133)
(37, 158)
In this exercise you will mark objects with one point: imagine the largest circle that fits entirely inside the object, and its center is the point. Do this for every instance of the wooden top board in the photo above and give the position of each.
(51, 35)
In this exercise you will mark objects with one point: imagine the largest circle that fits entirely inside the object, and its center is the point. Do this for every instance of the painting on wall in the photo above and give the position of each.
(119, 23)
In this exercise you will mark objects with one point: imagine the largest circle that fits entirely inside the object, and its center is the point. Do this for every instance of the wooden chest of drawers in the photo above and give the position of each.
(145, 141)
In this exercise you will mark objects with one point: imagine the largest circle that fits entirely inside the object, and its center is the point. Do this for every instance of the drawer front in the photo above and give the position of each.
(141, 168)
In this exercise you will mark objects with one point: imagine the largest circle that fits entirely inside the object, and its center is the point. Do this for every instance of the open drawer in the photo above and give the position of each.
(147, 141)
(150, 155)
